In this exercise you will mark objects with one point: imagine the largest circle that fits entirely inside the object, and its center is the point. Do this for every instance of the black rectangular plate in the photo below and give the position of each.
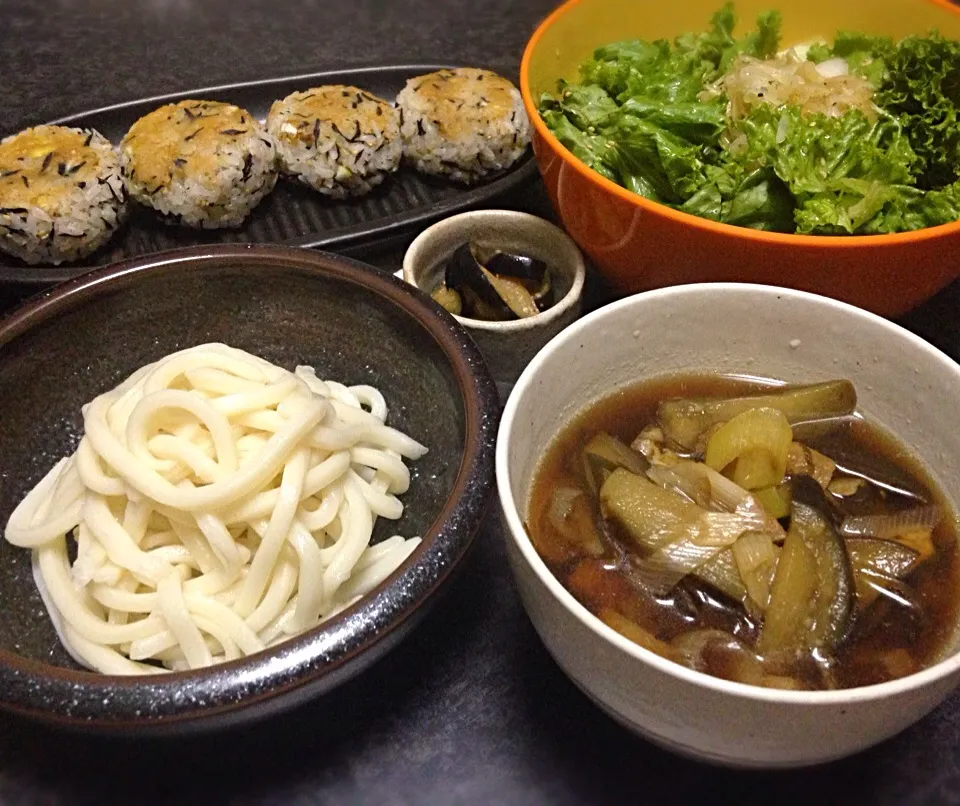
(292, 214)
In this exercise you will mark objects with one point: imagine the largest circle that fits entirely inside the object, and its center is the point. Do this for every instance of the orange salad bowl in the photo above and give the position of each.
(638, 244)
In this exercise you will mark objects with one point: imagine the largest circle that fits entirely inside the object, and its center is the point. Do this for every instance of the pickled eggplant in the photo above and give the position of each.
(481, 282)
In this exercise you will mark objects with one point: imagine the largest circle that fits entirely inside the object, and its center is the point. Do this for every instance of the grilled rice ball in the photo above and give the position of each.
(464, 123)
(200, 163)
(61, 194)
(339, 140)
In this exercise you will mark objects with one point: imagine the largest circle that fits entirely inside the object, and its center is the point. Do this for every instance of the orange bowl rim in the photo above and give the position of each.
(635, 199)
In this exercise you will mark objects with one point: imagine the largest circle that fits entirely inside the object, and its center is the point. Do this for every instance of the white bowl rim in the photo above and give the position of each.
(518, 533)
(539, 320)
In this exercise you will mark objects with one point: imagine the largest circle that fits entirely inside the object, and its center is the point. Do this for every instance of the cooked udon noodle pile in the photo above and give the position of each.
(219, 504)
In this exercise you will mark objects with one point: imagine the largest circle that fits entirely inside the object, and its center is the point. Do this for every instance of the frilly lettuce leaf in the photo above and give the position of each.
(811, 152)
(908, 208)
(636, 117)
(585, 105)
(761, 201)
(765, 41)
(654, 162)
(613, 65)
(865, 55)
(588, 148)
(922, 87)
(699, 123)
(834, 167)
(918, 82)
(667, 72)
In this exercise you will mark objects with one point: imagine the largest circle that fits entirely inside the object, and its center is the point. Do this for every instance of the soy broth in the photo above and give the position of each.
(886, 641)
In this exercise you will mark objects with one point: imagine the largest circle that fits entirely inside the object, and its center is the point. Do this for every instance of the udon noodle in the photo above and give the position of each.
(219, 504)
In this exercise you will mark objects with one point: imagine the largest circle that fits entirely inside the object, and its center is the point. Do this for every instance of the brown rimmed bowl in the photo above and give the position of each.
(290, 306)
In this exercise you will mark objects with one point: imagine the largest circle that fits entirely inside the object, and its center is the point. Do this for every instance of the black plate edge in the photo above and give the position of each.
(352, 236)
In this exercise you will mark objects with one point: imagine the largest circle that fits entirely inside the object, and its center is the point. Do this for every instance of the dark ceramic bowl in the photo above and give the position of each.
(291, 307)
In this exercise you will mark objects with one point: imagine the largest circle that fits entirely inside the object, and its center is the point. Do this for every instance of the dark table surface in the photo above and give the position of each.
(470, 708)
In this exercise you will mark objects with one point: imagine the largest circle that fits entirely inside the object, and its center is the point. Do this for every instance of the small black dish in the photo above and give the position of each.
(290, 306)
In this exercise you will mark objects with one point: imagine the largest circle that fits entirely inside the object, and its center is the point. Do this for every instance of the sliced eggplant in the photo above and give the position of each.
(476, 307)
(812, 596)
(711, 608)
(465, 276)
(846, 486)
(511, 264)
(684, 420)
(520, 301)
(881, 598)
(803, 460)
(877, 564)
(496, 285)
(881, 473)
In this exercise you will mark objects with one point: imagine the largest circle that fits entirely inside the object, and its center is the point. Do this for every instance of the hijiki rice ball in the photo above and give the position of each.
(339, 140)
(200, 163)
(61, 194)
(464, 123)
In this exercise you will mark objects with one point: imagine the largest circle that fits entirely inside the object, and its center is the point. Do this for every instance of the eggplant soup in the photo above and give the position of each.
(761, 533)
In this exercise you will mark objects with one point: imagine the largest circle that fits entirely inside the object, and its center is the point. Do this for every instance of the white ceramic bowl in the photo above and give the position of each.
(506, 346)
(904, 384)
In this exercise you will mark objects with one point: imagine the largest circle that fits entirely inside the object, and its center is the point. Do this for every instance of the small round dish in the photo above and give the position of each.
(507, 346)
(290, 307)
(725, 328)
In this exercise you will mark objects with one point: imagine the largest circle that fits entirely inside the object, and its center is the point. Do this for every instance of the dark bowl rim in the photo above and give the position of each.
(294, 663)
